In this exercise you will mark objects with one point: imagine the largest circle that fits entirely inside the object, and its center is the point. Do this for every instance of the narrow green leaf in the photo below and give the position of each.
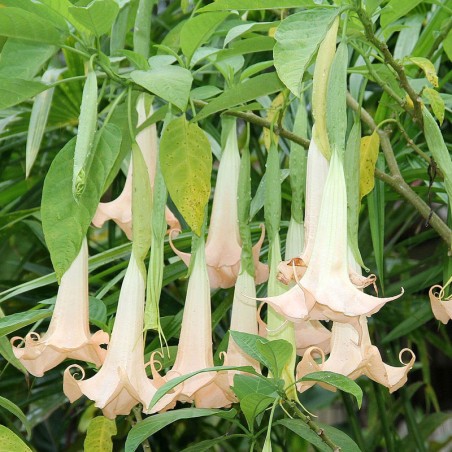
(222, 5)
(98, 436)
(14, 322)
(253, 404)
(338, 381)
(171, 83)
(436, 102)
(16, 411)
(197, 30)
(146, 428)
(297, 40)
(272, 205)
(18, 23)
(65, 221)
(142, 28)
(9, 441)
(186, 163)
(13, 91)
(97, 16)
(261, 85)
(303, 431)
(396, 9)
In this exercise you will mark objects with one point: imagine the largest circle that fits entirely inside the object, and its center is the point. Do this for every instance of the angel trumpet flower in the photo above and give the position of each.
(209, 389)
(223, 246)
(441, 307)
(121, 383)
(120, 209)
(325, 291)
(68, 335)
(353, 357)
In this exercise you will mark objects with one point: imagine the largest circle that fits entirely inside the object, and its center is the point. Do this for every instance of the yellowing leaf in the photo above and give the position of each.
(274, 111)
(368, 159)
(428, 68)
(436, 102)
(10, 441)
(272, 32)
(98, 437)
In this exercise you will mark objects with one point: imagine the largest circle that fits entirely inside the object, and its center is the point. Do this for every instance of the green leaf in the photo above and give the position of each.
(62, 8)
(447, 45)
(302, 430)
(338, 381)
(436, 102)
(276, 355)
(97, 310)
(297, 40)
(151, 425)
(248, 384)
(171, 384)
(33, 57)
(186, 163)
(18, 23)
(429, 70)
(11, 442)
(396, 9)
(142, 28)
(16, 411)
(369, 148)
(272, 204)
(98, 436)
(261, 85)
(65, 221)
(14, 322)
(14, 90)
(197, 30)
(98, 16)
(340, 438)
(171, 83)
(253, 404)
(248, 343)
(222, 5)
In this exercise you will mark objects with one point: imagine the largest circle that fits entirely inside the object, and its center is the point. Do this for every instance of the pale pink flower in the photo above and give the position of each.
(68, 335)
(441, 307)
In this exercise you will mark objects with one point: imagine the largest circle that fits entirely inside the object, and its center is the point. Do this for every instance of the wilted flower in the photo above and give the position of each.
(122, 382)
(223, 246)
(209, 389)
(353, 356)
(441, 307)
(120, 209)
(68, 335)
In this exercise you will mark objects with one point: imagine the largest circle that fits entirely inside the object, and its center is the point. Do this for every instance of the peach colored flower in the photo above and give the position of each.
(121, 383)
(206, 390)
(441, 307)
(353, 356)
(120, 209)
(223, 246)
(68, 335)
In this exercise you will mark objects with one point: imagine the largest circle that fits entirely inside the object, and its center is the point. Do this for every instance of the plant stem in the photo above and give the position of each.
(389, 440)
(313, 426)
(413, 428)
(354, 421)
(145, 444)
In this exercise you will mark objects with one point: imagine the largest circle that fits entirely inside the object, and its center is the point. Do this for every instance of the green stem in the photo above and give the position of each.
(413, 427)
(354, 421)
(389, 439)
(145, 444)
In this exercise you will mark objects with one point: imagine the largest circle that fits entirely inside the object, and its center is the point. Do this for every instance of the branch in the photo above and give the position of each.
(398, 68)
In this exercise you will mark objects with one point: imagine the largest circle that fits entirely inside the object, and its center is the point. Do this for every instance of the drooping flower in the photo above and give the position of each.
(120, 209)
(441, 307)
(209, 389)
(68, 335)
(223, 246)
(353, 356)
(121, 383)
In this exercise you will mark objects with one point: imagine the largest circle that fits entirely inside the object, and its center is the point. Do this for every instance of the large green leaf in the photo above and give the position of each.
(253, 404)
(340, 438)
(9, 441)
(258, 86)
(16, 411)
(144, 429)
(338, 381)
(297, 40)
(65, 221)
(14, 322)
(301, 429)
(186, 163)
(276, 354)
(98, 436)
(171, 83)
(395, 9)
(13, 91)
(222, 5)
(98, 16)
(248, 384)
(197, 30)
(18, 23)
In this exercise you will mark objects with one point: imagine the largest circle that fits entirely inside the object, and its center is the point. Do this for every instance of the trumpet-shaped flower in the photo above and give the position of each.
(68, 335)
(223, 246)
(353, 356)
(120, 209)
(121, 383)
(243, 319)
(194, 353)
(441, 307)
(325, 291)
